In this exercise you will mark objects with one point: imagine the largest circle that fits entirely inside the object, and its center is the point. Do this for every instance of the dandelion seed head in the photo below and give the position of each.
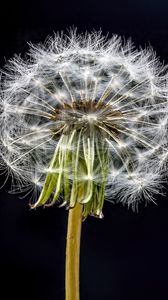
(85, 117)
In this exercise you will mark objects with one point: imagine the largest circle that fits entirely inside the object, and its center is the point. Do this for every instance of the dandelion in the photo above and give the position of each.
(85, 119)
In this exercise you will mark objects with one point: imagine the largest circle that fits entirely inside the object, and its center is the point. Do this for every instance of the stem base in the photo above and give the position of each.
(73, 253)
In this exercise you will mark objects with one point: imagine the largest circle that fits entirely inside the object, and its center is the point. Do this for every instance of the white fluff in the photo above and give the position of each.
(87, 66)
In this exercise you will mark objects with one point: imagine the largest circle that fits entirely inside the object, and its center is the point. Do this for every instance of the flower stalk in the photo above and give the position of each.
(73, 253)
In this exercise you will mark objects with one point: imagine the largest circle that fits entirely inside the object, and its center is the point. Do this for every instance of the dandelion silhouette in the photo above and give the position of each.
(84, 119)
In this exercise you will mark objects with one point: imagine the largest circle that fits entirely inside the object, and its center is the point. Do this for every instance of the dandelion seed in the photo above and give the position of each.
(86, 115)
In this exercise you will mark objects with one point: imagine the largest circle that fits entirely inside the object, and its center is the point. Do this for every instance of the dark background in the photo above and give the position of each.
(123, 256)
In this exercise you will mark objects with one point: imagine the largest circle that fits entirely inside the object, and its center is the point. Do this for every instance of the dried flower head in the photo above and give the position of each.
(85, 118)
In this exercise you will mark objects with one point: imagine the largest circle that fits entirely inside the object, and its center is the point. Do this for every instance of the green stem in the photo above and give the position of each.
(73, 253)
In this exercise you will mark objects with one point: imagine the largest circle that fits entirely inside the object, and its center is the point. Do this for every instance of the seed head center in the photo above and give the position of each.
(81, 114)
(90, 118)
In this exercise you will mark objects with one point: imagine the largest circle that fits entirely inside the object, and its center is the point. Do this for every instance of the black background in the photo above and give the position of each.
(123, 256)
